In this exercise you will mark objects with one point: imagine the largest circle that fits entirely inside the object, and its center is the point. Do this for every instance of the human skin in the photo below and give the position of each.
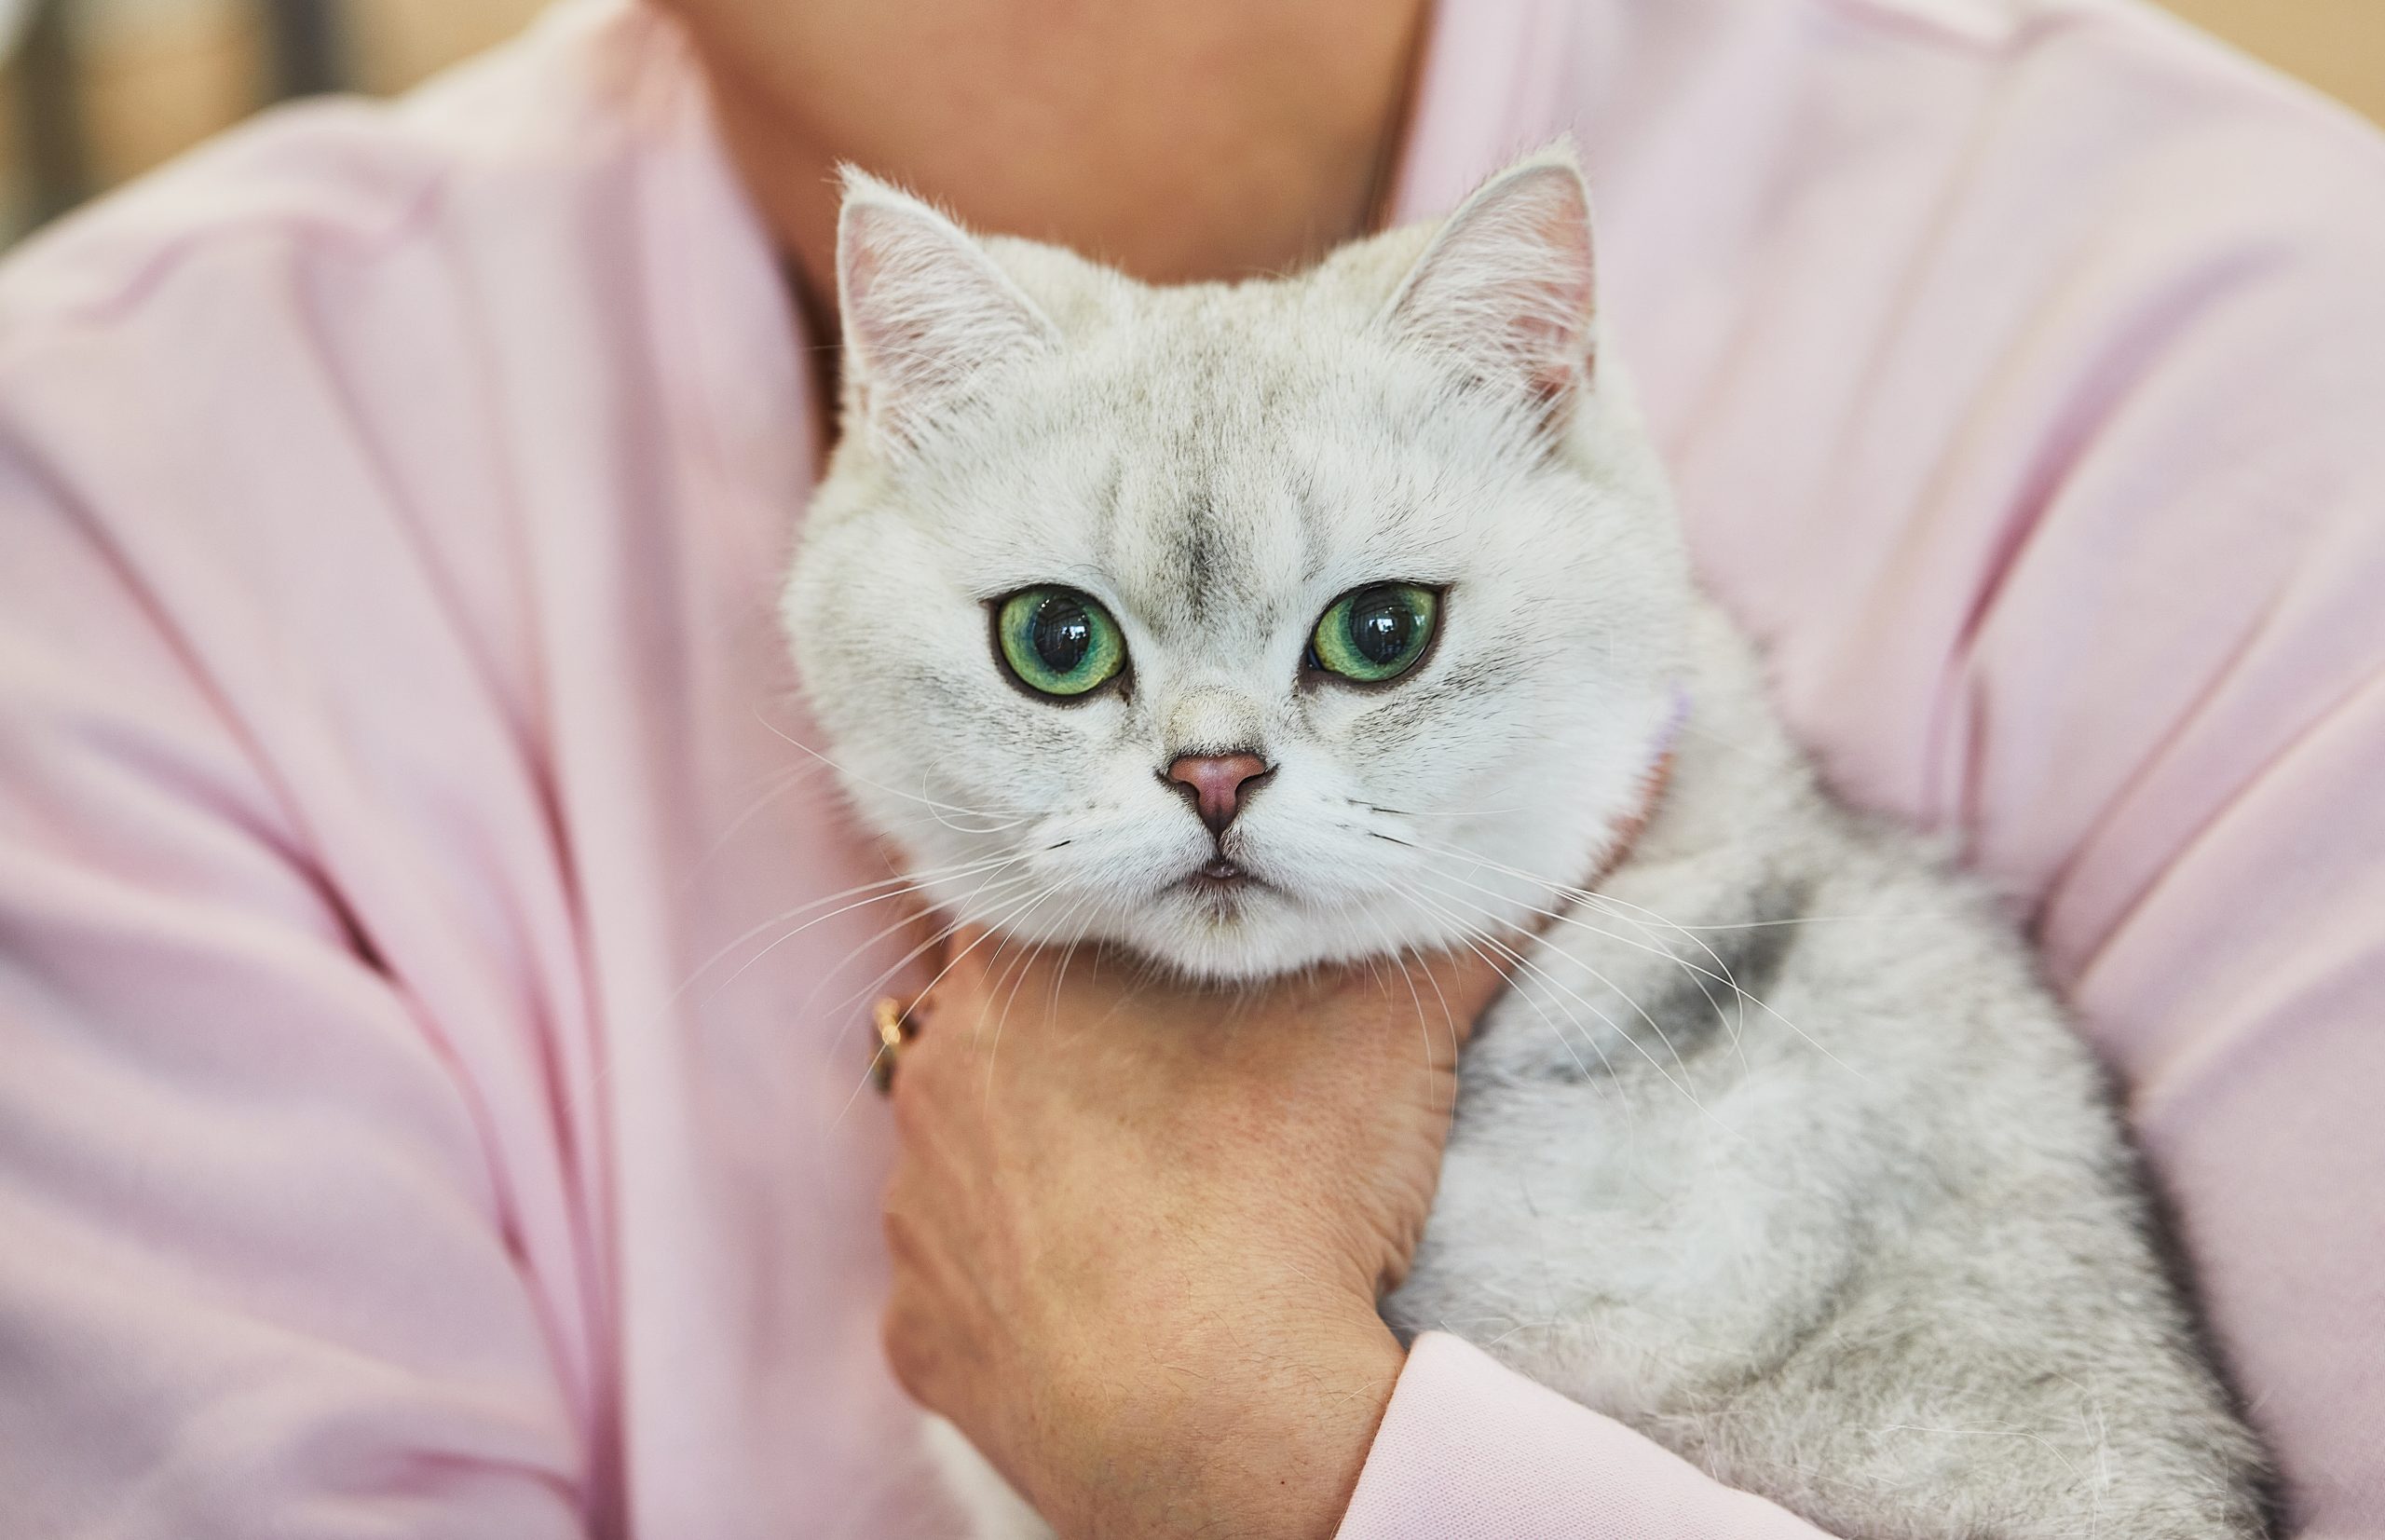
(1136, 1255)
(1177, 142)
(1137, 1230)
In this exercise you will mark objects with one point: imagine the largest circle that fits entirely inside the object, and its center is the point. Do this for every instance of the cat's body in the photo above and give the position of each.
(1776, 1149)
(1843, 1217)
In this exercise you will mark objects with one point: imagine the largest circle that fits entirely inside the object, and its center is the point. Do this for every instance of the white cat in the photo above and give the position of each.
(1327, 617)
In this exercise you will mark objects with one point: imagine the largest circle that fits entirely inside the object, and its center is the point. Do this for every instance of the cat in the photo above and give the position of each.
(1321, 618)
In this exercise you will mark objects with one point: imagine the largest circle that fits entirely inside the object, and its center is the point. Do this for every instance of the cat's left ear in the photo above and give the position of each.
(1506, 290)
(927, 314)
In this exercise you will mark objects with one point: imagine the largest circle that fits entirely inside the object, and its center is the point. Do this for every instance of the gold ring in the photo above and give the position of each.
(893, 1024)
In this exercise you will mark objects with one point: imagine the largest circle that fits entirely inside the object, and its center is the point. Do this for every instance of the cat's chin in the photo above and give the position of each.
(1243, 932)
(1234, 927)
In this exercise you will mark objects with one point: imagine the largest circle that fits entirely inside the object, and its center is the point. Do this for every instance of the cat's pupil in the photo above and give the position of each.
(1061, 634)
(1381, 628)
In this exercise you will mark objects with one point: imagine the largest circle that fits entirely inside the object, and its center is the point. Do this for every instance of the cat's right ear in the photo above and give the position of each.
(926, 313)
(1506, 292)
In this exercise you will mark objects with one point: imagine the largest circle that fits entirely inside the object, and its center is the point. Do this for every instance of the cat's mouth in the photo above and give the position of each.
(1221, 877)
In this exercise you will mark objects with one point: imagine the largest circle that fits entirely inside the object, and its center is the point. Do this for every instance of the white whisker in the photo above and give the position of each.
(996, 822)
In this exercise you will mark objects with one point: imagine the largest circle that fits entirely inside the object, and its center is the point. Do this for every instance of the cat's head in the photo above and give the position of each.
(1248, 626)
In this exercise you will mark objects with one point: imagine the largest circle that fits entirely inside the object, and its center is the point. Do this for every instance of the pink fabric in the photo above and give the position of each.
(420, 1111)
(1470, 1450)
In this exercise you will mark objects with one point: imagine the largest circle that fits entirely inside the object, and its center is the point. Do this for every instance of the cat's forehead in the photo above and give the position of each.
(1195, 538)
(1234, 479)
(1228, 451)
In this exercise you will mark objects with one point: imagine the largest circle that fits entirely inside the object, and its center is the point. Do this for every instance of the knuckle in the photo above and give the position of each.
(960, 969)
(896, 1225)
(907, 1356)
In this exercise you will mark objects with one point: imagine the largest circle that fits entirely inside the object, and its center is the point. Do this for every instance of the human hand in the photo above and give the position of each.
(1138, 1230)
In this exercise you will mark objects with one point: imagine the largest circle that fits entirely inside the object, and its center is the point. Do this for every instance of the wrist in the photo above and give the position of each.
(1264, 1436)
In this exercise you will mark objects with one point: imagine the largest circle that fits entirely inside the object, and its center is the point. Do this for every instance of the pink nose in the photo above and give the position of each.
(1215, 782)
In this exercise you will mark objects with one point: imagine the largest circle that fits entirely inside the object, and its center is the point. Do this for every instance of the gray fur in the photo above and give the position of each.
(1778, 1150)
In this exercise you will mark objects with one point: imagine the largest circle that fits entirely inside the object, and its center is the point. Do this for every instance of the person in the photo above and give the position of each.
(433, 971)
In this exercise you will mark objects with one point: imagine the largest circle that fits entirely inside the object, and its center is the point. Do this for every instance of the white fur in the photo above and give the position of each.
(1861, 1235)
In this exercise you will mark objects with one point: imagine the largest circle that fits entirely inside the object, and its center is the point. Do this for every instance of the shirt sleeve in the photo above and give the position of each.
(1469, 1449)
(257, 1276)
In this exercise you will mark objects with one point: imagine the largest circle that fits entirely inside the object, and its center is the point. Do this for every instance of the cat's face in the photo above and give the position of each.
(1246, 627)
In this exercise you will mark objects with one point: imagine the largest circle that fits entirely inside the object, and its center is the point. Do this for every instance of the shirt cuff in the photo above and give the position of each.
(1470, 1449)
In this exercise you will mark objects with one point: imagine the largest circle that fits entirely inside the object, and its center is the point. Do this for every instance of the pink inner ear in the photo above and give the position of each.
(858, 257)
(902, 282)
(925, 312)
(861, 320)
(1507, 288)
(1557, 336)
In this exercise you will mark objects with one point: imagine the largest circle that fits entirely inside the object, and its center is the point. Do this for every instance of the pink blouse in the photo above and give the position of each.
(430, 1036)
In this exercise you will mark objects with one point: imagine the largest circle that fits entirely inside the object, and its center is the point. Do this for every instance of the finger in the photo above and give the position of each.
(906, 1335)
(960, 960)
(1464, 982)
(925, 1224)
(939, 1114)
(995, 984)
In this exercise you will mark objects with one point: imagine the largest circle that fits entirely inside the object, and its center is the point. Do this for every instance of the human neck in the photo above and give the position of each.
(1177, 142)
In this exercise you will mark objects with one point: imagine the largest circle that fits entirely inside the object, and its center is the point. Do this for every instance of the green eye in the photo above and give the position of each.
(1058, 641)
(1375, 635)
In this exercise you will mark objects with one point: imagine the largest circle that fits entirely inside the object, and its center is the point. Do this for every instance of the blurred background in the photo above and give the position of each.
(94, 91)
